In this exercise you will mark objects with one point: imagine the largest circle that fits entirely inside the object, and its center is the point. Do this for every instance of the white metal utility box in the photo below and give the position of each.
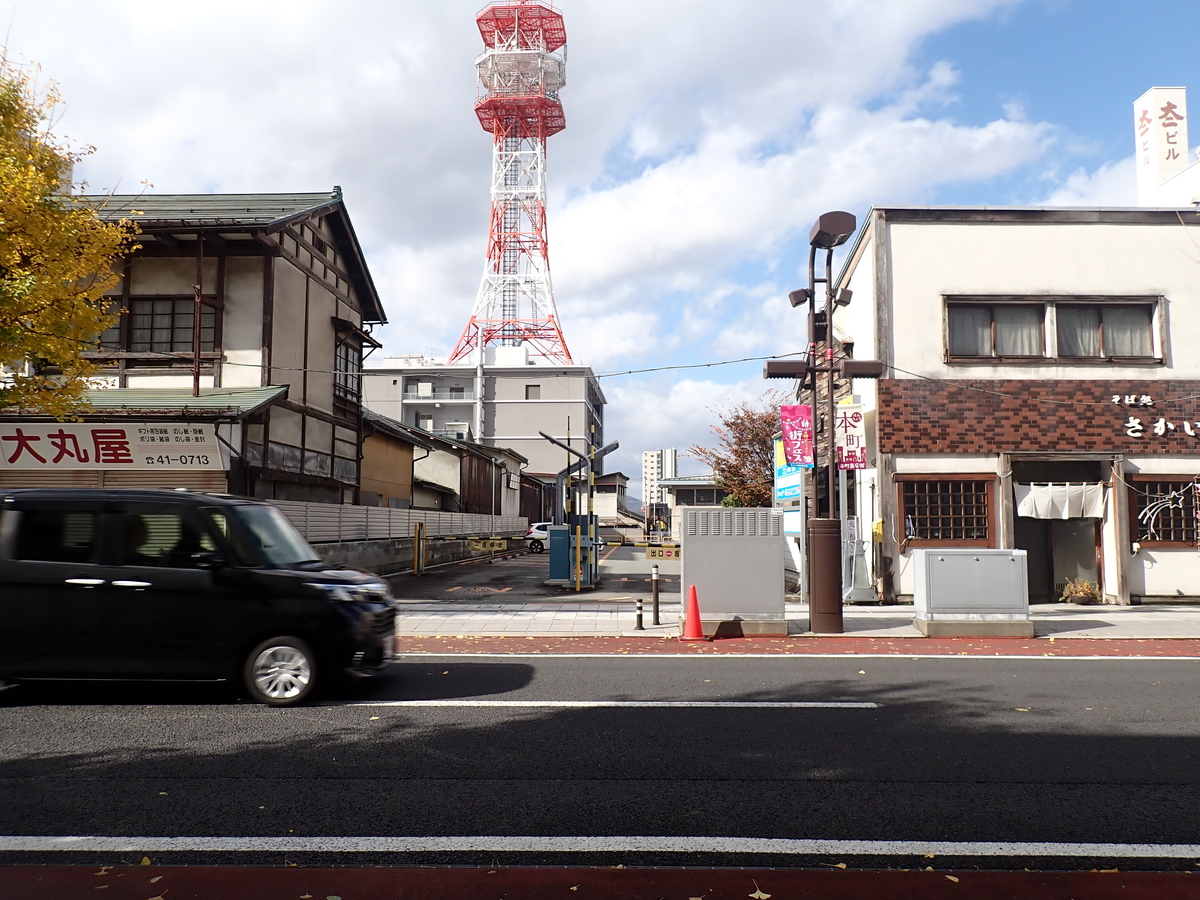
(735, 558)
(971, 592)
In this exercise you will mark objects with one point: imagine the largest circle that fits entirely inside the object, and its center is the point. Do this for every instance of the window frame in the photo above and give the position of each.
(1049, 304)
(1134, 486)
(992, 305)
(124, 327)
(989, 480)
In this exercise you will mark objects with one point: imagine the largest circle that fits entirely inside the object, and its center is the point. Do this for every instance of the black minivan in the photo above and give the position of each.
(148, 584)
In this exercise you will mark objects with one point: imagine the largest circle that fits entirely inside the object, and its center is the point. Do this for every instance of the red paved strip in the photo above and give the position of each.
(411, 883)
(799, 646)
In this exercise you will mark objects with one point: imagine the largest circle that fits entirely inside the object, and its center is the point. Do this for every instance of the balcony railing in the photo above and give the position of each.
(442, 396)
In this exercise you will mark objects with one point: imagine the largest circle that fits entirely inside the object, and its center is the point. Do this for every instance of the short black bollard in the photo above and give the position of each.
(639, 626)
(654, 591)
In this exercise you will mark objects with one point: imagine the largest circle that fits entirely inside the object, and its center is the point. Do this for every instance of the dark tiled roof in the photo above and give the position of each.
(207, 210)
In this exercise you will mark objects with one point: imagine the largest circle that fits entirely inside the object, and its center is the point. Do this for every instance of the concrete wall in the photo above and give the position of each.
(242, 328)
(442, 467)
(395, 556)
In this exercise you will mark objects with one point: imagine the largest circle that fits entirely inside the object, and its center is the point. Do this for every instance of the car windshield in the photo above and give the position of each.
(273, 536)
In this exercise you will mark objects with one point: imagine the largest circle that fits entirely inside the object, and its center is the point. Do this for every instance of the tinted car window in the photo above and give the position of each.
(56, 535)
(232, 536)
(162, 539)
(273, 537)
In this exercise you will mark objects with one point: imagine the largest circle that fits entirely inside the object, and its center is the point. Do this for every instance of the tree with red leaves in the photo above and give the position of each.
(743, 463)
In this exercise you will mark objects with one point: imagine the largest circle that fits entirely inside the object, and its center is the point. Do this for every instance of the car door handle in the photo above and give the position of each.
(132, 584)
(85, 582)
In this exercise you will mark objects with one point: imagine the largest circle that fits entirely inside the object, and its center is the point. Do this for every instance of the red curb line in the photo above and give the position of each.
(410, 883)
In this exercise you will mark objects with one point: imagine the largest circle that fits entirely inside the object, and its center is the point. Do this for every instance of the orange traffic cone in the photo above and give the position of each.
(692, 629)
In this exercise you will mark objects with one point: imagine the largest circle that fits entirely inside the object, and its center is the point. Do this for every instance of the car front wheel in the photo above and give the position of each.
(281, 671)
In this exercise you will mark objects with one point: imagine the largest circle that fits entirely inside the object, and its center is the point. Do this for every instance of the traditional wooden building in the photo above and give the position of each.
(236, 361)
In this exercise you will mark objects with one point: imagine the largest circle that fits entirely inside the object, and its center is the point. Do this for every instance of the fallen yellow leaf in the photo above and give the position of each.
(1022, 709)
(839, 865)
(1109, 871)
(862, 671)
(373, 719)
(156, 878)
(145, 860)
(758, 892)
(951, 878)
(931, 856)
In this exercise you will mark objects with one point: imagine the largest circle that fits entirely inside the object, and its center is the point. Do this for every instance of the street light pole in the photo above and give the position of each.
(823, 533)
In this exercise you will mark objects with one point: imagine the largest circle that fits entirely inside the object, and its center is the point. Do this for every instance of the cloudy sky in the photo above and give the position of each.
(702, 139)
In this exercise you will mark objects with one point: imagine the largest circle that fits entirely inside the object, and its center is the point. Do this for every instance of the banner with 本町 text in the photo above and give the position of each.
(850, 430)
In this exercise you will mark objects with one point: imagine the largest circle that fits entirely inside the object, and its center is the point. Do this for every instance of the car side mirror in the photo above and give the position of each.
(207, 559)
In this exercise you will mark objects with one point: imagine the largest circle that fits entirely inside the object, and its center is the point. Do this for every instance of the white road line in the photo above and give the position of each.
(605, 844)
(624, 704)
(791, 657)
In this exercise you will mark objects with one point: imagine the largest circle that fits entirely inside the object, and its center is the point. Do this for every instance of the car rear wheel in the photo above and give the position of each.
(281, 671)
(536, 546)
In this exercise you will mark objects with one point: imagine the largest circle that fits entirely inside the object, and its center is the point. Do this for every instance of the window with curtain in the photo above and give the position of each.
(1106, 330)
(1013, 330)
(996, 330)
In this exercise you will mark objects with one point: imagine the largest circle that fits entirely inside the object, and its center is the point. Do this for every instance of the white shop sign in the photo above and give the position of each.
(92, 446)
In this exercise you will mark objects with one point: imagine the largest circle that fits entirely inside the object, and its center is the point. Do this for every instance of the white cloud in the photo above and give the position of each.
(1113, 184)
(702, 139)
(653, 414)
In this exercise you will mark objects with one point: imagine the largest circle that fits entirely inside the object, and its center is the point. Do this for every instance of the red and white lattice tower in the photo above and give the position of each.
(520, 75)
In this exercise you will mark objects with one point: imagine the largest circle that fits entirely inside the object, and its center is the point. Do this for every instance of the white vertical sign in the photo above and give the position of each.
(1160, 129)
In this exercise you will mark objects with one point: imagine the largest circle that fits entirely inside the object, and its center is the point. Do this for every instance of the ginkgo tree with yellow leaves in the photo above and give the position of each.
(57, 256)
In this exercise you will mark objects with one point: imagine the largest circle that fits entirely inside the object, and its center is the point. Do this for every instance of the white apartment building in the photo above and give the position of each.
(503, 403)
(657, 465)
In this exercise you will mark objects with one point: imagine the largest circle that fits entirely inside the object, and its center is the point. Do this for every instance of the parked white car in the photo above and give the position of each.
(537, 536)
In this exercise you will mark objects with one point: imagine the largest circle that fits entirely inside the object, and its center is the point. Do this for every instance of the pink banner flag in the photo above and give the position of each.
(797, 428)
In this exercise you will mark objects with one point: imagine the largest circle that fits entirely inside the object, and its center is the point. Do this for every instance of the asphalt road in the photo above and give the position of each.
(624, 573)
(952, 750)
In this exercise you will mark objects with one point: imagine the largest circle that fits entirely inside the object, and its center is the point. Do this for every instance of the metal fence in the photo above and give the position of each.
(324, 523)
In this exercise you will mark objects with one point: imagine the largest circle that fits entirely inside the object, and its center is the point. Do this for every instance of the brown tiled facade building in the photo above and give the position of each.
(1042, 393)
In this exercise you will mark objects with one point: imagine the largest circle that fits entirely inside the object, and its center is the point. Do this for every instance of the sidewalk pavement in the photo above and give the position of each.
(478, 605)
(546, 617)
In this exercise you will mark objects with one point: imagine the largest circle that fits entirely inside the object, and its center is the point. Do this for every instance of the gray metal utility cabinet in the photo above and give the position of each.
(735, 558)
(977, 593)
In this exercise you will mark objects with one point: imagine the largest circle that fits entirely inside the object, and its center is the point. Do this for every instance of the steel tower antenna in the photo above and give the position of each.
(521, 72)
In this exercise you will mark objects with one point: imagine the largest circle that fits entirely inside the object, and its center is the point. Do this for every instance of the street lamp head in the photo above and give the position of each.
(832, 230)
(798, 297)
(785, 368)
